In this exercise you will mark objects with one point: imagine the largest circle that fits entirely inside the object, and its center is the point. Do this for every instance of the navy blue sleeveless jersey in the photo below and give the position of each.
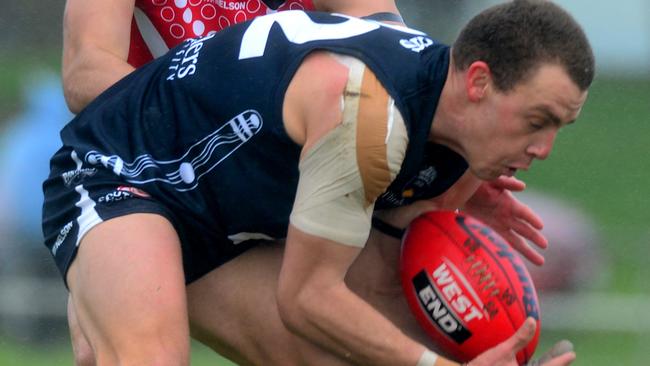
(199, 132)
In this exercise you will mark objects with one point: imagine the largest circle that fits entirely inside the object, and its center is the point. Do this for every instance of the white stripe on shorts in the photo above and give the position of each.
(89, 217)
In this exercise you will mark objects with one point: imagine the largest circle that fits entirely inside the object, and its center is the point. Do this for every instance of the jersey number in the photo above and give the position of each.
(299, 28)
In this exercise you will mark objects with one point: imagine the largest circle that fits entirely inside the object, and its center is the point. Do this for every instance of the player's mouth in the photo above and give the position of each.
(511, 170)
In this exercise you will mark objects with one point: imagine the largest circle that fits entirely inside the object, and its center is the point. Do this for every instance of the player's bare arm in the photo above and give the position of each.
(314, 302)
(95, 47)
(314, 268)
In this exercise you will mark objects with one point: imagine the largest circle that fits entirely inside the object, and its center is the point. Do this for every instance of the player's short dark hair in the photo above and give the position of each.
(517, 37)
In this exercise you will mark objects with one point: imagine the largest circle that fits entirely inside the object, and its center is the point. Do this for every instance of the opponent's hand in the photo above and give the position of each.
(494, 204)
(505, 353)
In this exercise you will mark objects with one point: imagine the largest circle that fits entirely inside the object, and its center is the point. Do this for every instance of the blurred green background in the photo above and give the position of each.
(600, 167)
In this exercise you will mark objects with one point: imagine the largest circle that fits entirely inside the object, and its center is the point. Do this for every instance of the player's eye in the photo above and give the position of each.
(536, 125)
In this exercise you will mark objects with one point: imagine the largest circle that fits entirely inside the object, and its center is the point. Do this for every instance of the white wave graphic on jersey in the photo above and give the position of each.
(185, 172)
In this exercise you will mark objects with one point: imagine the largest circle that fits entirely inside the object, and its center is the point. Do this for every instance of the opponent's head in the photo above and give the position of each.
(523, 69)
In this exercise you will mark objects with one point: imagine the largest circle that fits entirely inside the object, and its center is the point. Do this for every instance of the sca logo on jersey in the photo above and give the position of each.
(445, 302)
(416, 44)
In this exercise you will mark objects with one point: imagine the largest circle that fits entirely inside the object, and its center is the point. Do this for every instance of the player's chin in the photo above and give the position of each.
(488, 174)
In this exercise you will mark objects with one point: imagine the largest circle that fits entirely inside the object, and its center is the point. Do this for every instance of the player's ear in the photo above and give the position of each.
(477, 80)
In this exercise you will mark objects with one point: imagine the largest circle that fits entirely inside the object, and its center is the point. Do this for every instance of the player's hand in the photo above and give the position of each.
(494, 204)
(557, 350)
(505, 353)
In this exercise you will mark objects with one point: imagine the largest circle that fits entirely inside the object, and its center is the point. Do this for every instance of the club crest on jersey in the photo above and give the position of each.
(416, 44)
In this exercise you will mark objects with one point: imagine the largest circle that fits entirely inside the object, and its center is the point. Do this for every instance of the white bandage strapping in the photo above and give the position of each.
(428, 358)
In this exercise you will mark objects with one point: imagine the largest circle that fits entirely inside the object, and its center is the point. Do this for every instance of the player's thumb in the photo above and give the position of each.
(524, 334)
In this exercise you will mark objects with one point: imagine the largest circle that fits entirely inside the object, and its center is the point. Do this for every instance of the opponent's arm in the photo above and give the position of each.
(95, 48)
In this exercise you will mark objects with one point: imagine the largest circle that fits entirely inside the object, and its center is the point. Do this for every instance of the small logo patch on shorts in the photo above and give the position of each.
(74, 177)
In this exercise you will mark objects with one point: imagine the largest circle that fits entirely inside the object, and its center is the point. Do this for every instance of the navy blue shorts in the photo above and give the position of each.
(79, 196)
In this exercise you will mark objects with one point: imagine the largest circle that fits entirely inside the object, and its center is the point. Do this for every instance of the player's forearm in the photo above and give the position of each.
(324, 316)
(88, 73)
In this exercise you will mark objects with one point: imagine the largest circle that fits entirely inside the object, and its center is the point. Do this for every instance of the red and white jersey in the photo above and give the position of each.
(159, 25)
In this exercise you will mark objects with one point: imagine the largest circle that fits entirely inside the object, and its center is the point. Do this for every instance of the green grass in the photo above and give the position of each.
(601, 164)
(60, 354)
(602, 348)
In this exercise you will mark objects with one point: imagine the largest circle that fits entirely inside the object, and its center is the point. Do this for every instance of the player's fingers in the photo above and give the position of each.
(558, 349)
(525, 213)
(509, 183)
(522, 247)
(562, 360)
(530, 233)
(523, 336)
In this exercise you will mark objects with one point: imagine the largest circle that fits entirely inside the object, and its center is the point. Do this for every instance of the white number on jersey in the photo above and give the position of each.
(299, 28)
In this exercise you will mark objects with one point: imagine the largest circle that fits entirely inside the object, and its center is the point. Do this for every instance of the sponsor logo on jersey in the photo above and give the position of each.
(184, 61)
(74, 177)
(61, 237)
(229, 5)
(416, 44)
(437, 307)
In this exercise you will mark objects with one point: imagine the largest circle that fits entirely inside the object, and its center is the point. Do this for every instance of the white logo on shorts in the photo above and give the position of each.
(74, 177)
(61, 237)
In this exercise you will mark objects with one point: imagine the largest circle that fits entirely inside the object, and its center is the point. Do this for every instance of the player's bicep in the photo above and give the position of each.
(342, 175)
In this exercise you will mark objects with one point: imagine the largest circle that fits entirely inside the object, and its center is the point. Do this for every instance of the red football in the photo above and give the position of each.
(465, 285)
